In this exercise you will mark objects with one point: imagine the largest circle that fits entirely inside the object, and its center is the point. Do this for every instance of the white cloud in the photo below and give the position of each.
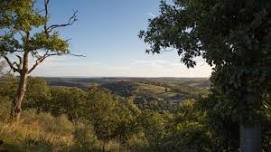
(149, 66)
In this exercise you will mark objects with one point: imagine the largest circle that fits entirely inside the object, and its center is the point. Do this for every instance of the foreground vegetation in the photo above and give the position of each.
(97, 119)
(232, 36)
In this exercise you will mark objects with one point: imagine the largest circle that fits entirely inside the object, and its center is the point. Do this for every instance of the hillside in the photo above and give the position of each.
(153, 93)
(85, 82)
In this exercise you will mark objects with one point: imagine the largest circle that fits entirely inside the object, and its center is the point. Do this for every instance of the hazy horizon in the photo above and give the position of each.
(129, 77)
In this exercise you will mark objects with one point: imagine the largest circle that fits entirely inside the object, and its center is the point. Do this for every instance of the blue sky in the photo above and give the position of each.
(106, 33)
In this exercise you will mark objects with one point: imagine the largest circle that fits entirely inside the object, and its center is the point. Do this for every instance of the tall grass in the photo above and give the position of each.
(37, 132)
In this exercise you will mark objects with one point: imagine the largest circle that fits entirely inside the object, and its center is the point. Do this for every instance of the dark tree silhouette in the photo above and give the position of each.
(232, 36)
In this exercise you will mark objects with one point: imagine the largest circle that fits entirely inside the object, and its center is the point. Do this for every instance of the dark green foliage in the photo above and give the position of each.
(37, 95)
(224, 124)
(70, 101)
(121, 88)
(232, 36)
(222, 120)
(155, 128)
(102, 113)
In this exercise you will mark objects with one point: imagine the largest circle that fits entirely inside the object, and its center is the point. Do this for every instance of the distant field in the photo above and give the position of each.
(86, 82)
(157, 93)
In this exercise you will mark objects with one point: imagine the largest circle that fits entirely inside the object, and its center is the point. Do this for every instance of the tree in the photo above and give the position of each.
(25, 32)
(102, 113)
(127, 121)
(69, 101)
(232, 36)
(222, 121)
(85, 138)
(188, 132)
(37, 95)
(155, 128)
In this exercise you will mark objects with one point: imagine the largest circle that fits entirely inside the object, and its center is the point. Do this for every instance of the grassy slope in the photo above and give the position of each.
(36, 132)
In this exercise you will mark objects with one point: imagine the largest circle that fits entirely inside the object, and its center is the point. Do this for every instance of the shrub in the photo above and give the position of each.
(85, 139)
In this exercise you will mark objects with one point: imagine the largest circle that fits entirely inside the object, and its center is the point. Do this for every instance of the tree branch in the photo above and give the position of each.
(48, 29)
(46, 2)
(19, 65)
(71, 21)
(20, 59)
(40, 60)
(11, 65)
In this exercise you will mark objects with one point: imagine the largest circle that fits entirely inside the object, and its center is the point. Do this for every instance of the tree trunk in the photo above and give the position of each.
(17, 107)
(17, 104)
(250, 137)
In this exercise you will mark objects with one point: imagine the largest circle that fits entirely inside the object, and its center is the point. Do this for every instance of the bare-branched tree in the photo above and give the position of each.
(25, 33)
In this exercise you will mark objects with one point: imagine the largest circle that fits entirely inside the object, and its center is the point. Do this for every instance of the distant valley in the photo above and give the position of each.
(153, 93)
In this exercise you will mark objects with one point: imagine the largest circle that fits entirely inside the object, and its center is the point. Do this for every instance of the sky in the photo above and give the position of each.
(106, 33)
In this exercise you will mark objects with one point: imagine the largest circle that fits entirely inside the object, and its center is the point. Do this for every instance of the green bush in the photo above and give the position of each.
(85, 139)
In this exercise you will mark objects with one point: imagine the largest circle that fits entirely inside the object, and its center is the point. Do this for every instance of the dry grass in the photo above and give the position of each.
(37, 133)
